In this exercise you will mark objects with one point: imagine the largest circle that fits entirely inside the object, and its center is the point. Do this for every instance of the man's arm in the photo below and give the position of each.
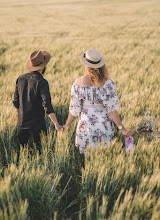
(16, 97)
(46, 102)
(55, 122)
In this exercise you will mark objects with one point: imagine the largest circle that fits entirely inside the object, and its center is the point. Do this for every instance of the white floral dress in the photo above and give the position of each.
(92, 105)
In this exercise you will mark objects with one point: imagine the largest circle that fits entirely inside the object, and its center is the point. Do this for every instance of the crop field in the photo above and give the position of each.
(112, 185)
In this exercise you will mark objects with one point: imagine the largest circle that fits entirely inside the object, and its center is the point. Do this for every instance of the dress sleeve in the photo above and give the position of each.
(111, 100)
(75, 103)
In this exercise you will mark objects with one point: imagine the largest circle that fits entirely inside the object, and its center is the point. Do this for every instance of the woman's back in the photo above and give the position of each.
(92, 105)
(93, 97)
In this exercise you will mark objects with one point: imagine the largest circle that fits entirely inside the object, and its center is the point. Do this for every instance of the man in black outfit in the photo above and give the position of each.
(32, 99)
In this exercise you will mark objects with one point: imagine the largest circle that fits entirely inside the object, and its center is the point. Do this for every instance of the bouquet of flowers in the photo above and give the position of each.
(148, 127)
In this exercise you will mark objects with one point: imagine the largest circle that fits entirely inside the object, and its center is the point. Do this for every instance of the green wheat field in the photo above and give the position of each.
(113, 185)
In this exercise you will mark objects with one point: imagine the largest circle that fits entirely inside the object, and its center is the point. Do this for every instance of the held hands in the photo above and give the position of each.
(58, 127)
(65, 127)
(126, 132)
(55, 122)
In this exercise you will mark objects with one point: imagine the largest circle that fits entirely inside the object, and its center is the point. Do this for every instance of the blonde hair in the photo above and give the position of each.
(99, 75)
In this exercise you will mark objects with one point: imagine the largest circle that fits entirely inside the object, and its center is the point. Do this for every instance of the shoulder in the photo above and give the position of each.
(78, 81)
(23, 76)
(43, 82)
(83, 81)
(76, 87)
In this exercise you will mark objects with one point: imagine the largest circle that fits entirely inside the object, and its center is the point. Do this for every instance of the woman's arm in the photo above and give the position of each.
(74, 107)
(69, 121)
(114, 115)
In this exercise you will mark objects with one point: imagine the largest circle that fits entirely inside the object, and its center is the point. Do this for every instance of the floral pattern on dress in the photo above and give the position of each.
(92, 105)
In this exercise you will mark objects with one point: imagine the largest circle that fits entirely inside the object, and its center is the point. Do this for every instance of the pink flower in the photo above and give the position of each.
(85, 111)
(82, 125)
(95, 138)
(130, 145)
(110, 87)
(129, 140)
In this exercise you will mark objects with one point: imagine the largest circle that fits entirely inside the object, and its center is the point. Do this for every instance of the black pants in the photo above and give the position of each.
(25, 134)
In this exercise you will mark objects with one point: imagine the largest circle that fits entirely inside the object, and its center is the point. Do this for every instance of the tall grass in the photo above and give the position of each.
(56, 185)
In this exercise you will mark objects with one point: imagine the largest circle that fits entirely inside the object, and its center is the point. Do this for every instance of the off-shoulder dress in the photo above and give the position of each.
(92, 105)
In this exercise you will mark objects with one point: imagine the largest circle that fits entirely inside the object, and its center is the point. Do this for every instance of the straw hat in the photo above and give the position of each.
(92, 58)
(38, 60)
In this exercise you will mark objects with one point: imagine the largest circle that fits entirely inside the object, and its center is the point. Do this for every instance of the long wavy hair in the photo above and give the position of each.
(97, 76)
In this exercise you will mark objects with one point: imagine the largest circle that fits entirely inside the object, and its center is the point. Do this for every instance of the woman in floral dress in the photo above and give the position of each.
(95, 102)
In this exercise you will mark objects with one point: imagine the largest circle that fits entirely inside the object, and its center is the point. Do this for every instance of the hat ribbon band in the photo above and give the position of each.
(40, 63)
(92, 62)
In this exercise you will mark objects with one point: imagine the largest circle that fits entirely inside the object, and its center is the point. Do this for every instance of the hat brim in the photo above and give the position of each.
(86, 63)
(46, 60)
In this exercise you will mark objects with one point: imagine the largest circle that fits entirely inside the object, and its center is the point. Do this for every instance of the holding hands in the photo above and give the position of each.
(55, 122)
(66, 127)
(125, 132)
(114, 116)
(68, 122)
(58, 127)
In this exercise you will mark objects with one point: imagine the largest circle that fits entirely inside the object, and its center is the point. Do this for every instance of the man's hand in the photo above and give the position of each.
(58, 127)
(55, 122)
(126, 132)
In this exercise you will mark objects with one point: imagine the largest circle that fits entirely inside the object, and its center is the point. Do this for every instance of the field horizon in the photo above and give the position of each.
(113, 184)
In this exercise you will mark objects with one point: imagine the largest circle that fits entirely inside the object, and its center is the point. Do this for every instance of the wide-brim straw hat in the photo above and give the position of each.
(38, 60)
(92, 58)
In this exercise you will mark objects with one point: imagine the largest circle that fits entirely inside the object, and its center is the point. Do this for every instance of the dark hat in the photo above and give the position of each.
(38, 60)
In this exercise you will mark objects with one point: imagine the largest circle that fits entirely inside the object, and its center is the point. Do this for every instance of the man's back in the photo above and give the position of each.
(31, 97)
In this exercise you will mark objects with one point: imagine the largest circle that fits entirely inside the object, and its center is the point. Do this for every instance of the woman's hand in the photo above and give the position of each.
(66, 127)
(68, 122)
(114, 115)
(126, 132)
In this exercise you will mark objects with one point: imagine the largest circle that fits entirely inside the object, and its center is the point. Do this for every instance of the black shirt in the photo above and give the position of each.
(32, 98)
